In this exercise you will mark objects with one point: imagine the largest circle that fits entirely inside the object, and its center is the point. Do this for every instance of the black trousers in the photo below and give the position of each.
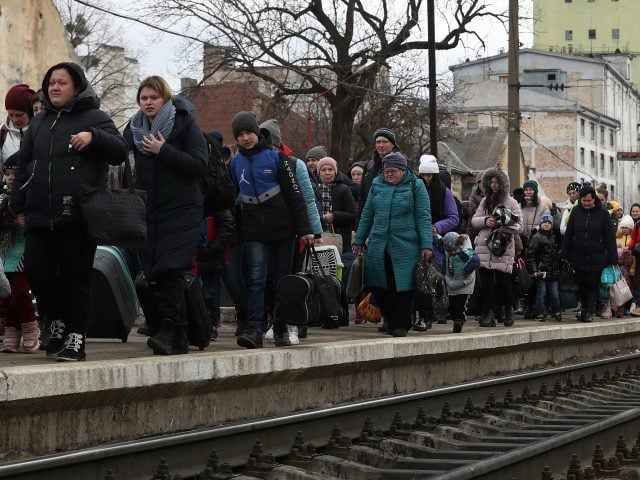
(497, 289)
(589, 288)
(58, 265)
(458, 307)
(395, 306)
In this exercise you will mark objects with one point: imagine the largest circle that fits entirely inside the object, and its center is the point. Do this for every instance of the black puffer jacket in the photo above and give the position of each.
(590, 242)
(543, 254)
(174, 202)
(343, 210)
(50, 177)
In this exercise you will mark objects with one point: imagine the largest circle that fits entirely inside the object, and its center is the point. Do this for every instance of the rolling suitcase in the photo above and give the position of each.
(199, 326)
(115, 304)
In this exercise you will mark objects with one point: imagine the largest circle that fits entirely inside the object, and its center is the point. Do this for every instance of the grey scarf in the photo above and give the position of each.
(162, 122)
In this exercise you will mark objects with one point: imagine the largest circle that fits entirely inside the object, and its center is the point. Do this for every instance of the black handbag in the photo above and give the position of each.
(116, 217)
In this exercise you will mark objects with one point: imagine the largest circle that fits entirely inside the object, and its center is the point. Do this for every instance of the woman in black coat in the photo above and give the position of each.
(171, 157)
(339, 208)
(65, 149)
(589, 245)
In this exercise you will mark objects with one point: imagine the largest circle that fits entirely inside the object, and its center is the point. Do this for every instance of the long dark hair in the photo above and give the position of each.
(436, 192)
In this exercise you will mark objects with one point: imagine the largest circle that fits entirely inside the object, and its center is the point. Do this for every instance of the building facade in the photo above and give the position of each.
(588, 27)
(570, 134)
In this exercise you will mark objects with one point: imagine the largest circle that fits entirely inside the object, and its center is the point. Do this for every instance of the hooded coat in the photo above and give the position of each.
(174, 200)
(397, 219)
(50, 176)
(589, 243)
(488, 260)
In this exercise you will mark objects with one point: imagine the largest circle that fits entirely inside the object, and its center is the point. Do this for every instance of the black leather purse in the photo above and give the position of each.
(116, 217)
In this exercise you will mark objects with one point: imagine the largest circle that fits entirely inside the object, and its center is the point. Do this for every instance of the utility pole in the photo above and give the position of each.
(431, 31)
(513, 117)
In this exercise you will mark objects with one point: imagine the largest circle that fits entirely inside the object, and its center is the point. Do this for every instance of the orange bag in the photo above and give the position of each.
(369, 310)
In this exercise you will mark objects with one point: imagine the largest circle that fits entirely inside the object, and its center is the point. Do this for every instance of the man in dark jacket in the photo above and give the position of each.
(65, 150)
(385, 142)
(589, 245)
(274, 213)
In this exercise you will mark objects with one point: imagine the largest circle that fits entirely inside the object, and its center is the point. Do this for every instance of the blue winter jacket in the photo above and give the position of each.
(396, 218)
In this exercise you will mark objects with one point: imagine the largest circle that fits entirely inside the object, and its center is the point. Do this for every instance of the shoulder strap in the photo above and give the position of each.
(3, 134)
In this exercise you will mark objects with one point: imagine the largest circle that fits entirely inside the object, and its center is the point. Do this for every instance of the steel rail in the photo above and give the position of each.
(277, 433)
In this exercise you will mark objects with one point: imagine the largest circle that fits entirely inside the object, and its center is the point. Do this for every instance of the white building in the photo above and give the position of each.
(585, 125)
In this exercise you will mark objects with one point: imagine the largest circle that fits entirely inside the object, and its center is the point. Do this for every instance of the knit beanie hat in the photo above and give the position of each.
(318, 152)
(573, 187)
(386, 133)
(327, 161)
(395, 160)
(274, 131)
(531, 184)
(546, 217)
(428, 164)
(244, 122)
(356, 168)
(626, 221)
(19, 98)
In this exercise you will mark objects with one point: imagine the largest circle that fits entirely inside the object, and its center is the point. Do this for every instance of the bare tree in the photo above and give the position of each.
(311, 37)
(98, 42)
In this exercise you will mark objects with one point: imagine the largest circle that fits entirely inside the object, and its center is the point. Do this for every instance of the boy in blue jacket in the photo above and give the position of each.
(461, 262)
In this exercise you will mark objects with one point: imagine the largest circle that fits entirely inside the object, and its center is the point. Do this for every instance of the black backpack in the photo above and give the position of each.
(218, 189)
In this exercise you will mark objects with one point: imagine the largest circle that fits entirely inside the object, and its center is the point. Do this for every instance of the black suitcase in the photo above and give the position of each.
(115, 304)
(200, 328)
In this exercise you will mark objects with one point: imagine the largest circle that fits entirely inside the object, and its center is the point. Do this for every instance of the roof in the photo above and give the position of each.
(476, 149)
(218, 104)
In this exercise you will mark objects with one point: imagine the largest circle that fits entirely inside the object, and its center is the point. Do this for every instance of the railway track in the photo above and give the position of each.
(575, 420)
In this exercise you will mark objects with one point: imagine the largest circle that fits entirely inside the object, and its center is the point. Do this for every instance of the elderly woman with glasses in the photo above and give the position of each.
(396, 221)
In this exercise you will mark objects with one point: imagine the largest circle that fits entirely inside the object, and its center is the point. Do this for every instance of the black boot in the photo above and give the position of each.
(180, 339)
(508, 316)
(457, 325)
(488, 320)
(162, 342)
(500, 314)
(420, 325)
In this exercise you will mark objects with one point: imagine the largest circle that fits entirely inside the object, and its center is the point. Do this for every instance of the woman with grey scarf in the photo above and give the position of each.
(171, 157)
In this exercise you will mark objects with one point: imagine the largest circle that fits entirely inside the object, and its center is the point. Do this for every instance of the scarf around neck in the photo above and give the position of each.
(327, 203)
(162, 122)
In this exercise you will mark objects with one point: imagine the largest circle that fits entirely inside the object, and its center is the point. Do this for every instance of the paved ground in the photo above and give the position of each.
(99, 350)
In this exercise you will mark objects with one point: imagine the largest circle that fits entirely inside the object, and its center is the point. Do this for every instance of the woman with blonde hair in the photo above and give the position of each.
(171, 157)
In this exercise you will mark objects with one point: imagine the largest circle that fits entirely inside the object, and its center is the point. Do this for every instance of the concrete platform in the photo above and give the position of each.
(122, 392)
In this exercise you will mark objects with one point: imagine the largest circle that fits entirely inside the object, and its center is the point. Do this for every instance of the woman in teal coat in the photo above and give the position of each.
(396, 220)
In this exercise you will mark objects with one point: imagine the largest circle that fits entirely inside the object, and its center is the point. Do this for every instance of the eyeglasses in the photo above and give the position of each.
(391, 171)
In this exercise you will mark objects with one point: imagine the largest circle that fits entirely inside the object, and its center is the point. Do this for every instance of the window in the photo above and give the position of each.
(581, 156)
(601, 135)
(615, 33)
(592, 131)
(568, 35)
(593, 159)
(551, 77)
(611, 140)
(602, 163)
(567, 1)
(611, 166)
(592, 34)
(582, 127)
(612, 189)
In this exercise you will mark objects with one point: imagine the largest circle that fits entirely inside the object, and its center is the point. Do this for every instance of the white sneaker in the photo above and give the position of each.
(269, 334)
(293, 334)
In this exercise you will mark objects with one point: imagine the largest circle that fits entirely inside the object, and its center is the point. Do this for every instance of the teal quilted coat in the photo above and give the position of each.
(396, 218)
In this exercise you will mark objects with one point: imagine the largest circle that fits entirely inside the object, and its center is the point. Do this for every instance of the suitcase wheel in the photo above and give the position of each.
(201, 348)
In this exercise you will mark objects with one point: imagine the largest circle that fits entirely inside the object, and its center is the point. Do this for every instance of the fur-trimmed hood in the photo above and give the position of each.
(502, 177)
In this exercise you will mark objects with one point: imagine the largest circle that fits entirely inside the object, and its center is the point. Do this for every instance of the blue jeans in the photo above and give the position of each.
(263, 259)
(547, 290)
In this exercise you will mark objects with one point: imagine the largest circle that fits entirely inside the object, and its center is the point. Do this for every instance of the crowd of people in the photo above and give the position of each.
(57, 141)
